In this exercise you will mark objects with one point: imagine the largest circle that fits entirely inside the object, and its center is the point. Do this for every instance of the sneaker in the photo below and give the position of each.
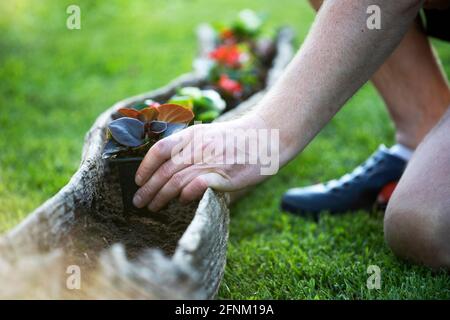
(369, 184)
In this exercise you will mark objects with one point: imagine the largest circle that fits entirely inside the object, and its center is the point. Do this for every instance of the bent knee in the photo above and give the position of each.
(418, 231)
(417, 220)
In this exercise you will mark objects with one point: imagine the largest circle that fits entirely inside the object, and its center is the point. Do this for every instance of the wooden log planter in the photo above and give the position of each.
(178, 253)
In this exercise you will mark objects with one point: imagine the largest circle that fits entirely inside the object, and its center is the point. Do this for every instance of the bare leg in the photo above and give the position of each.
(414, 88)
(412, 85)
(417, 220)
(416, 92)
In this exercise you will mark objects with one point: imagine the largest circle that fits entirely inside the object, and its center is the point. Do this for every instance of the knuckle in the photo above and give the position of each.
(177, 180)
(207, 144)
(165, 171)
(144, 167)
(158, 148)
(145, 190)
(200, 184)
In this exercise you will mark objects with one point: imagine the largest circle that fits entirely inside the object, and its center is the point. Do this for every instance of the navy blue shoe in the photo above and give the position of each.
(374, 180)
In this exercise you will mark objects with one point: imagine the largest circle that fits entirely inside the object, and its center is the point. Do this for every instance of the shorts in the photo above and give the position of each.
(437, 23)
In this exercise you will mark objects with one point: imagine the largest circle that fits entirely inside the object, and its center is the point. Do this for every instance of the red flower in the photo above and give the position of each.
(227, 55)
(229, 85)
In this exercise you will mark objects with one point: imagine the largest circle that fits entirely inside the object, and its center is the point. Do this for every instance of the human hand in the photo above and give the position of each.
(185, 164)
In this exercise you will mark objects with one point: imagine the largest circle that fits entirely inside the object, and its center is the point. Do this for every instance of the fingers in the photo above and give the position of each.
(172, 188)
(163, 174)
(159, 153)
(189, 185)
(194, 190)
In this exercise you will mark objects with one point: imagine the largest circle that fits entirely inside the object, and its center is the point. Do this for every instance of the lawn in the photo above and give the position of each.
(55, 81)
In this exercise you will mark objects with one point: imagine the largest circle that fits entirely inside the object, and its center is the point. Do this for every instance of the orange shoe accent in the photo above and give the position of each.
(386, 193)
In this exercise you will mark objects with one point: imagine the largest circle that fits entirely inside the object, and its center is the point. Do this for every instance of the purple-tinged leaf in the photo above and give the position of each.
(127, 131)
(158, 126)
(173, 128)
(112, 148)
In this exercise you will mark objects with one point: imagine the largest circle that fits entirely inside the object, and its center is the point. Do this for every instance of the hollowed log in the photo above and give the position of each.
(178, 253)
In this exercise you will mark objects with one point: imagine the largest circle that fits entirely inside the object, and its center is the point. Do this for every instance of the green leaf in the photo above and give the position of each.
(208, 116)
(215, 100)
(193, 92)
(248, 22)
(185, 101)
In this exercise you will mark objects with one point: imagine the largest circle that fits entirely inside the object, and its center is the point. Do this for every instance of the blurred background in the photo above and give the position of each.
(54, 82)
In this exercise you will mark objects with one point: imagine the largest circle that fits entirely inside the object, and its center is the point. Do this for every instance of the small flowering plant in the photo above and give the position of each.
(236, 67)
(230, 55)
(235, 70)
(207, 105)
(137, 129)
(246, 27)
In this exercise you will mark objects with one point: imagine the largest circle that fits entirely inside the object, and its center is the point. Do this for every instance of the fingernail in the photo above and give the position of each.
(138, 179)
(137, 201)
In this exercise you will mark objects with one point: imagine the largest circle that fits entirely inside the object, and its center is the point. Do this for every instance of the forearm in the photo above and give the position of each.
(337, 58)
(339, 55)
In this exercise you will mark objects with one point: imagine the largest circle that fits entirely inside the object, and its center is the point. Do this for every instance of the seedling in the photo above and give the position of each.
(137, 130)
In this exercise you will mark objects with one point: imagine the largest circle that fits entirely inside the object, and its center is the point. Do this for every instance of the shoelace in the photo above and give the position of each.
(346, 180)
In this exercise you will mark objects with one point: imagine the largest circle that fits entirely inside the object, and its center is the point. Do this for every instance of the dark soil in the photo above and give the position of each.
(105, 223)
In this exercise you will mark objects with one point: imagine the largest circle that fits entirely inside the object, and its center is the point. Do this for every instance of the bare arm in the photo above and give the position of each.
(339, 55)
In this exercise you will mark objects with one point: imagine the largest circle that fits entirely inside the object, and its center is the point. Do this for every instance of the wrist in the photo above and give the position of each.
(252, 120)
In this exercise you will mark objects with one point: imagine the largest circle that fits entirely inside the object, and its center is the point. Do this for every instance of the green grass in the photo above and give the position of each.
(54, 82)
